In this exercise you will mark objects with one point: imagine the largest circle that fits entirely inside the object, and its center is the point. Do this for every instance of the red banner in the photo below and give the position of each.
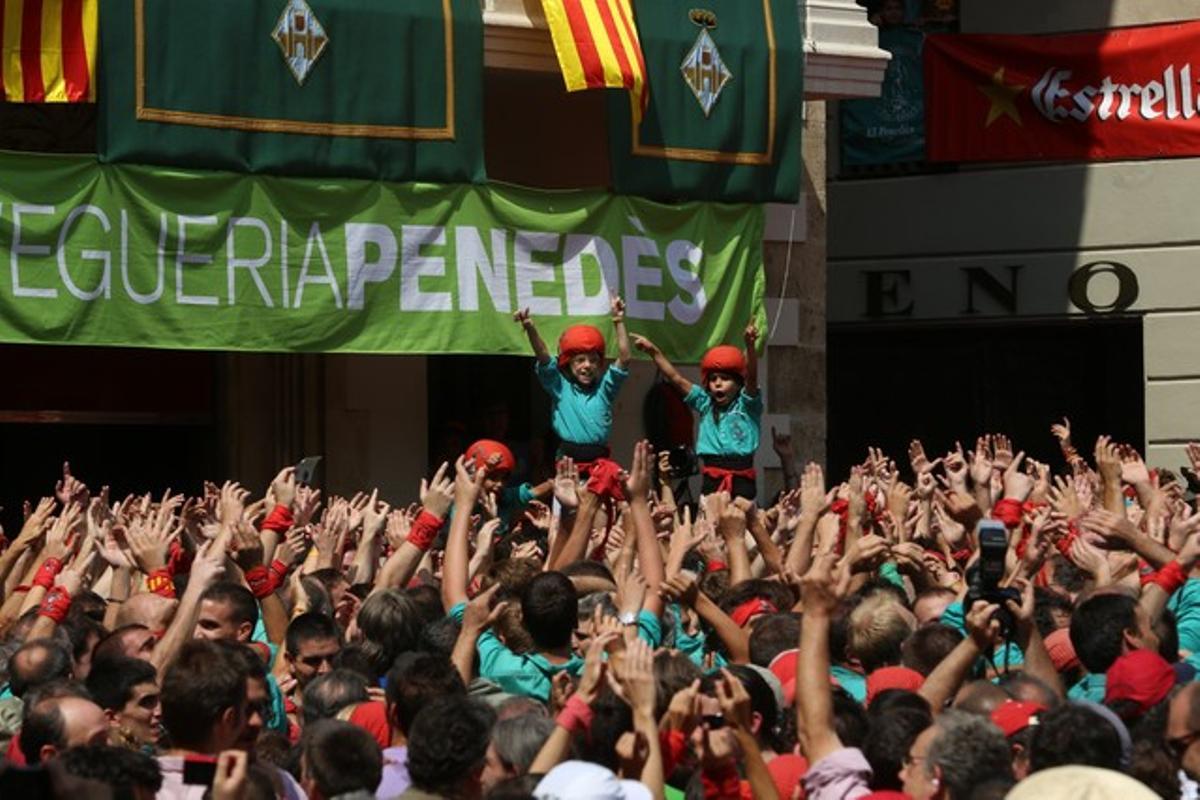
(1124, 93)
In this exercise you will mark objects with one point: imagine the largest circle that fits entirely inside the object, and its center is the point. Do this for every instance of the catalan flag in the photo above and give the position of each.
(48, 50)
(597, 46)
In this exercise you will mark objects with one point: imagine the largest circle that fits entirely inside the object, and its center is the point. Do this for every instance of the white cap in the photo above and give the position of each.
(583, 780)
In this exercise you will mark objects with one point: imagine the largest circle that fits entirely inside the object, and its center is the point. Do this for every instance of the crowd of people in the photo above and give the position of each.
(971, 625)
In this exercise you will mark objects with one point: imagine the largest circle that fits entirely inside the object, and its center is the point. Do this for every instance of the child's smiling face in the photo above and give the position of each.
(722, 387)
(585, 368)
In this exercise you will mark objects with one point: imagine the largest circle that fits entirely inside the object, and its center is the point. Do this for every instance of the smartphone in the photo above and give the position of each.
(199, 770)
(993, 550)
(305, 469)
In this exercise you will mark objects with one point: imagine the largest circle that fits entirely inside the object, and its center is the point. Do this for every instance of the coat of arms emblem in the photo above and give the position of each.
(703, 69)
(300, 37)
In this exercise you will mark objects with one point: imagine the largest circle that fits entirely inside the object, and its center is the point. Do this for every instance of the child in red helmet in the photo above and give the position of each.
(500, 463)
(580, 386)
(730, 408)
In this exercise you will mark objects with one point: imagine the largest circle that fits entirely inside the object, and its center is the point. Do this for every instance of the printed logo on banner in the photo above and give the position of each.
(301, 38)
(703, 69)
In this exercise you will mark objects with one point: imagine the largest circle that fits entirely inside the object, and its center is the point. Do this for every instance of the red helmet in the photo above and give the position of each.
(723, 358)
(484, 451)
(579, 339)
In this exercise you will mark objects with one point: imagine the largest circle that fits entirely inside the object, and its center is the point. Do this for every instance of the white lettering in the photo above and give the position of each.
(414, 266)
(682, 256)
(1083, 103)
(137, 297)
(528, 271)
(19, 250)
(104, 287)
(326, 278)
(577, 247)
(1108, 90)
(360, 272)
(633, 248)
(1172, 98)
(1152, 95)
(251, 265)
(183, 257)
(472, 263)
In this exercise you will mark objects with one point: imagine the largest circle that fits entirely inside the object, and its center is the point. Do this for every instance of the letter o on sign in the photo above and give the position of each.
(1127, 287)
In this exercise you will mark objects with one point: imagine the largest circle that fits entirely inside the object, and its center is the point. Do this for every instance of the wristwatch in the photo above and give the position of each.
(627, 618)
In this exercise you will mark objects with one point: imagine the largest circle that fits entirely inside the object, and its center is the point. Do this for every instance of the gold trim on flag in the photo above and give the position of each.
(230, 122)
(720, 156)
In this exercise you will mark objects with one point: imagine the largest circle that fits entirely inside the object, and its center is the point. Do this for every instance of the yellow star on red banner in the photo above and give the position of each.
(1003, 98)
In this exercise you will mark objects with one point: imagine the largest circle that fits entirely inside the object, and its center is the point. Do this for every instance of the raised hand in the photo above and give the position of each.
(735, 702)
(437, 494)
(637, 482)
(308, 501)
(1017, 485)
(522, 317)
(246, 546)
(781, 443)
(1108, 459)
(981, 461)
(566, 484)
(645, 345)
(35, 522)
(750, 335)
(1002, 455)
(617, 308)
(284, 487)
(375, 516)
(70, 489)
(1133, 468)
(1062, 432)
(231, 503)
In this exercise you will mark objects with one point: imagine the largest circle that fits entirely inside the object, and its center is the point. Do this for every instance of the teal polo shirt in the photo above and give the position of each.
(734, 429)
(581, 415)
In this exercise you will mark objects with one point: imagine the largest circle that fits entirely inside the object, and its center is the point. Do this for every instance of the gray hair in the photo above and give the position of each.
(519, 739)
(969, 750)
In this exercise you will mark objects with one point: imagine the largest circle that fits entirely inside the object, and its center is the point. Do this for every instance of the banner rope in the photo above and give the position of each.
(787, 268)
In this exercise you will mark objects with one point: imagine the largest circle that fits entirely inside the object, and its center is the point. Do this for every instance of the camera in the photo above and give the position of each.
(983, 579)
(682, 461)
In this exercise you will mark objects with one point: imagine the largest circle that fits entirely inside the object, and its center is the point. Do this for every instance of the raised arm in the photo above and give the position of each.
(664, 365)
(650, 560)
(814, 699)
(618, 320)
(458, 560)
(535, 339)
(751, 337)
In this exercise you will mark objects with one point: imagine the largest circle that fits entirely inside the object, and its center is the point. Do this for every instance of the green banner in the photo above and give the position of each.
(723, 118)
(148, 257)
(356, 88)
(889, 129)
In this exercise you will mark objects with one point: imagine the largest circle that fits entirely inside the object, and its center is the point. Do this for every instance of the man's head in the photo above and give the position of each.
(227, 611)
(956, 753)
(127, 690)
(129, 773)
(550, 610)
(391, 624)
(131, 641)
(204, 698)
(149, 609)
(932, 603)
(313, 641)
(1075, 734)
(1183, 729)
(54, 724)
(37, 662)
(771, 635)
(927, 646)
(878, 627)
(447, 746)
(889, 738)
(1107, 625)
(338, 758)
(258, 694)
(515, 744)
(415, 681)
(328, 694)
(84, 634)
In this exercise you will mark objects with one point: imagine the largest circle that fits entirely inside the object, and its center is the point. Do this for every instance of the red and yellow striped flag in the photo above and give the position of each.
(597, 46)
(48, 50)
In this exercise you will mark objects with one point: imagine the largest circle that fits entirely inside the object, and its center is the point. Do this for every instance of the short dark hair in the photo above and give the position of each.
(762, 700)
(43, 725)
(774, 592)
(448, 741)
(440, 636)
(112, 680)
(1098, 629)
(968, 749)
(550, 609)
(925, 648)
(245, 657)
(849, 718)
(341, 758)
(888, 740)
(328, 694)
(112, 645)
(202, 681)
(238, 597)
(80, 628)
(1073, 734)
(55, 664)
(414, 681)
(121, 768)
(773, 634)
(310, 626)
(390, 623)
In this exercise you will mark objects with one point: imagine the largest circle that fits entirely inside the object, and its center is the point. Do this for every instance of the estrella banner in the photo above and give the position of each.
(723, 117)
(151, 257)
(339, 88)
(1120, 93)
(48, 51)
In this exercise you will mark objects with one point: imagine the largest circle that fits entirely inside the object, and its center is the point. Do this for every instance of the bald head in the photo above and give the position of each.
(38, 662)
(59, 723)
(979, 697)
(149, 609)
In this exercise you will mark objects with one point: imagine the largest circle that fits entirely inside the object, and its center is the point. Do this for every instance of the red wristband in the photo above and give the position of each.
(674, 746)
(159, 581)
(280, 519)
(22, 589)
(55, 605)
(424, 530)
(46, 573)
(1171, 577)
(1008, 511)
(261, 581)
(961, 556)
(179, 560)
(715, 566)
(576, 716)
(280, 571)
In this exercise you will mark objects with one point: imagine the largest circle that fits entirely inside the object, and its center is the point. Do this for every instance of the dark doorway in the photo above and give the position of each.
(942, 383)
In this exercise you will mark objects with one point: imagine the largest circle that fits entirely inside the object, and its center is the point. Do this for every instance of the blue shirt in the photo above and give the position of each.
(581, 415)
(734, 431)
(1091, 687)
(1185, 605)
